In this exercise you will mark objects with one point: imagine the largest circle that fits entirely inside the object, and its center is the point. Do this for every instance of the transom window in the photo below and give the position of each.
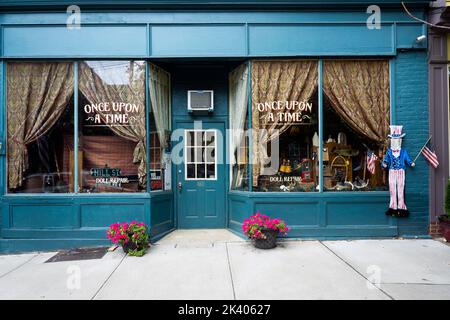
(200, 155)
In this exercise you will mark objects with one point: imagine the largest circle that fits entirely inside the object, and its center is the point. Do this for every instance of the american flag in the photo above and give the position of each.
(430, 155)
(371, 158)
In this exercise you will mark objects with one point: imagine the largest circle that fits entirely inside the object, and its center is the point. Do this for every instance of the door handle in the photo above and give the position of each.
(179, 186)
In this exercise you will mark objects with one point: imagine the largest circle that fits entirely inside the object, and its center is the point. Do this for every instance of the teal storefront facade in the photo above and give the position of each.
(198, 43)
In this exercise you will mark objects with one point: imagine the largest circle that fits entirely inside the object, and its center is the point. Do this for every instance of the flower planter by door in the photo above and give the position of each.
(270, 240)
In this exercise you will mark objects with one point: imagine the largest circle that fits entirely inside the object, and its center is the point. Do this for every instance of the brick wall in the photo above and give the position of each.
(433, 229)
(411, 111)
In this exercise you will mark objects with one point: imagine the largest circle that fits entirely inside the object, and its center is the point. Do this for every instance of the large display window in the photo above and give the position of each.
(110, 116)
(284, 125)
(356, 117)
(285, 144)
(112, 126)
(39, 115)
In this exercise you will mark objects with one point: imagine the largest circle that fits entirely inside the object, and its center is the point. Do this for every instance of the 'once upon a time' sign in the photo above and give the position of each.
(112, 113)
(286, 111)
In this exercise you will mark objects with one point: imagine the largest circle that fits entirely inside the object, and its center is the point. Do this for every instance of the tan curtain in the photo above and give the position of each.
(359, 92)
(159, 93)
(289, 80)
(100, 82)
(37, 95)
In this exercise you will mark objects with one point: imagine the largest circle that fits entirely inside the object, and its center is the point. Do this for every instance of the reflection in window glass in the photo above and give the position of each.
(112, 126)
(285, 125)
(356, 116)
(239, 140)
(159, 92)
(40, 122)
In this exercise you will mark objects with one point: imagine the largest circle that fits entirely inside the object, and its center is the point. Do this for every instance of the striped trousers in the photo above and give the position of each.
(396, 189)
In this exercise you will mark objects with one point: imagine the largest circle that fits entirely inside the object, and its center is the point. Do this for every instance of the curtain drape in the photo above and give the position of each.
(159, 89)
(104, 82)
(37, 95)
(289, 80)
(238, 101)
(359, 92)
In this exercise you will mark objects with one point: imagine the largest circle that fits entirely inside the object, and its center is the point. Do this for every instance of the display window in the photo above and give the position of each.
(356, 117)
(112, 126)
(40, 110)
(285, 146)
(284, 125)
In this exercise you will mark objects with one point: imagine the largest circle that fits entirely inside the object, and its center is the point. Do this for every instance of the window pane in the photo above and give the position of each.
(112, 127)
(239, 139)
(190, 139)
(190, 171)
(190, 155)
(199, 154)
(201, 174)
(210, 138)
(199, 136)
(210, 155)
(40, 127)
(356, 124)
(210, 171)
(285, 125)
(159, 92)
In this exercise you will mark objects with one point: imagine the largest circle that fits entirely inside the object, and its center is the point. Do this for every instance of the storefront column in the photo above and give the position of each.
(438, 96)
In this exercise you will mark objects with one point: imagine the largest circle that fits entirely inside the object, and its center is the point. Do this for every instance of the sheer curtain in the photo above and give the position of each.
(288, 80)
(359, 92)
(37, 95)
(159, 89)
(119, 81)
(238, 100)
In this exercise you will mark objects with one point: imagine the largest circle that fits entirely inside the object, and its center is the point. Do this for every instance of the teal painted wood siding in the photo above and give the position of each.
(224, 34)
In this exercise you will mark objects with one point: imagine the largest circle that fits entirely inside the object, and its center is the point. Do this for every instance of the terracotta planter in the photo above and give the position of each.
(444, 227)
(269, 242)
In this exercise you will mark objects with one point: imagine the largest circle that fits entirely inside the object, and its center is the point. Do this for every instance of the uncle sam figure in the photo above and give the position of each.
(396, 160)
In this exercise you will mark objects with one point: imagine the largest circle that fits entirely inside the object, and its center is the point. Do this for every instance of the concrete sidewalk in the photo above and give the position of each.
(215, 264)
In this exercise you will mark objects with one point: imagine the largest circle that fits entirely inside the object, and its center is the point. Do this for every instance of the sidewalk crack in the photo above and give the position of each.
(110, 275)
(231, 272)
(19, 266)
(354, 269)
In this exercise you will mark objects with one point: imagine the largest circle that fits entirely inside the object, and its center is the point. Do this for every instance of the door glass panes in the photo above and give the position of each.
(200, 154)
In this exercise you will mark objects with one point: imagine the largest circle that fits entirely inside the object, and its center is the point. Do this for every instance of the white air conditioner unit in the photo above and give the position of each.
(200, 100)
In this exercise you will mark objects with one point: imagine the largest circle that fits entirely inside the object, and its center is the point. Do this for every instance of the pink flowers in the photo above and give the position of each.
(122, 233)
(253, 226)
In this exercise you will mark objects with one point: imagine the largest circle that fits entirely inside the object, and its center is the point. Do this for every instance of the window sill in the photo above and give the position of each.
(334, 194)
(76, 195)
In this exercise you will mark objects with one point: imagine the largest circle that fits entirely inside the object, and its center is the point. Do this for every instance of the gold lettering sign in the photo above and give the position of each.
(286, 111)
(111, 113)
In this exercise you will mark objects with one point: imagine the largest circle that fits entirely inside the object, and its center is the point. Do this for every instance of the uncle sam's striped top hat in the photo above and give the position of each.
(396, 132)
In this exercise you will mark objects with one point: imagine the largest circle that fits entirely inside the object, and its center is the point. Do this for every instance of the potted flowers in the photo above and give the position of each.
(263, 230)
(133, 237)
(444, 220)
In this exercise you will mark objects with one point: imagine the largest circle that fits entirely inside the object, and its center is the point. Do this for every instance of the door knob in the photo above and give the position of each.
(179, 186)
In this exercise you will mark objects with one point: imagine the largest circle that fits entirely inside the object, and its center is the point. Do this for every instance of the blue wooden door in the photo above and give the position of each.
(200, 177)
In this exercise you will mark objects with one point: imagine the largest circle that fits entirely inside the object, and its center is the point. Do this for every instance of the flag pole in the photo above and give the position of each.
(421, 149)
